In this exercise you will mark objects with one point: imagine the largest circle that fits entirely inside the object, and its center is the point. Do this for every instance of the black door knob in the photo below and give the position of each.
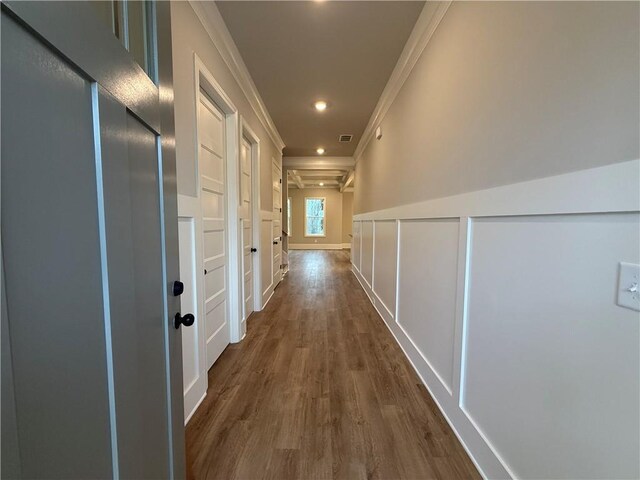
(187, 320)
(253, 249)
(275, 243)
(178, 288)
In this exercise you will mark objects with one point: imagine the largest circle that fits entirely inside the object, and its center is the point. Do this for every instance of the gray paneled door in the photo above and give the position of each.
(91, 360)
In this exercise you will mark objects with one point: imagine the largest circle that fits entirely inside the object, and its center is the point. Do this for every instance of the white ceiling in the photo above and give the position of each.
(298, 52)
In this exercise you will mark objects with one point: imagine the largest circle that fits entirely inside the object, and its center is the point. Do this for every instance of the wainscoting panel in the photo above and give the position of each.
(191, 337)
(266, 245)
(506, 308)
(385, 264)
(427, 291)
(355, 251)
(548, 352)
(191, 239)
(366, 260)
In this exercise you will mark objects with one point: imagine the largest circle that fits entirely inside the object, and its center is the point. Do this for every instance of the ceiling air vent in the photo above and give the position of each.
(345, 138)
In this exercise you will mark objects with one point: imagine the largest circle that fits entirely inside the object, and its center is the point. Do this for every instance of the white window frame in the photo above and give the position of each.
(324, 233)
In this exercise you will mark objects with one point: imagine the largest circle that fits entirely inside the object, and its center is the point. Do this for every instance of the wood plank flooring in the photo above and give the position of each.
(319, 389)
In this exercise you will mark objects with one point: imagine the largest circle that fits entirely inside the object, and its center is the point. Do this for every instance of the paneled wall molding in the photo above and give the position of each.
(213, 23)
(485, 294)
(425, 26)
(612, 188)
(190, 240)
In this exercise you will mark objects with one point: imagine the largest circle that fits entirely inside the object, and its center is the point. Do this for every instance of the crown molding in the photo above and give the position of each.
(212, 21)
(425, 26)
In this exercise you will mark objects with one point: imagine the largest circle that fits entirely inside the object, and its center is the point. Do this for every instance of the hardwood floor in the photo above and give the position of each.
(319, 389)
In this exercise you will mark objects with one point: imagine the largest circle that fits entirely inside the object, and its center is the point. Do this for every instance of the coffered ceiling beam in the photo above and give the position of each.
(296, 179)
(316, 163)
(348, 181)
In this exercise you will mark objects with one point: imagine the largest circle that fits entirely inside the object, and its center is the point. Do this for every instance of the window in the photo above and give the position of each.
(133, 22)
(314, 209)
(289, 216)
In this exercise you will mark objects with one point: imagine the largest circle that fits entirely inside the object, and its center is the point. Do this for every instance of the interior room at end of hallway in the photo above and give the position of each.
(338, 216)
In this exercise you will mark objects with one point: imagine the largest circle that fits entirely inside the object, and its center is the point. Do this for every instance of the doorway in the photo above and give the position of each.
(249, 215)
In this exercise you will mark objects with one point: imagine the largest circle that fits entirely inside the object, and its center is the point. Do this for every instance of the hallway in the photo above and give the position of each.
(320, 389)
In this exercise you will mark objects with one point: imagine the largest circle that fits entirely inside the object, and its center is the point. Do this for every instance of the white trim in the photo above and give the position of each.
(346, 246)
(272, 291)
(196, 405)
(425, 26)
(317, 246)
(612, 188)
(213, 23)
(315, 163)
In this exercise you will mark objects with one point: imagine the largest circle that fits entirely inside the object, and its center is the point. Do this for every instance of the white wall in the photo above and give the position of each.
(506, 308)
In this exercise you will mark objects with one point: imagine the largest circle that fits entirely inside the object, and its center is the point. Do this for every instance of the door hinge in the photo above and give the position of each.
(280, 180)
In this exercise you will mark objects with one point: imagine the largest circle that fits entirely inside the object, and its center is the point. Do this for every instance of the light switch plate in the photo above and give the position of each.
(629, 286)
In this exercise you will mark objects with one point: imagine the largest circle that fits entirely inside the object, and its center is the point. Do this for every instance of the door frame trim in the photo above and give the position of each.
(205, 80)
(256, 267)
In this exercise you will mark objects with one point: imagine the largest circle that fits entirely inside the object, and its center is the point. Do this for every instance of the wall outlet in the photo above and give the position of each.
(629, 286)
(315, 241)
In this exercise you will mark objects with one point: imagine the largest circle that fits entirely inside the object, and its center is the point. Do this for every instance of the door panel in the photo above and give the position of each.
(266, 245)
(211, 135)
(132, 215)
(53, 280)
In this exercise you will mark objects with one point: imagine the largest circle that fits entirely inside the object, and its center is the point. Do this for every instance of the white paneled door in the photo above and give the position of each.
(211, 136)
(247, 230)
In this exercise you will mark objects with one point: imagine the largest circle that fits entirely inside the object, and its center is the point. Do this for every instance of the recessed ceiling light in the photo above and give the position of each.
(320, 151)
(321, 184)
(321, 105)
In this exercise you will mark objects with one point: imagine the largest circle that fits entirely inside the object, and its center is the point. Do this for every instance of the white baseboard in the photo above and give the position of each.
(346, 246)
(316, 246)
(195, 407)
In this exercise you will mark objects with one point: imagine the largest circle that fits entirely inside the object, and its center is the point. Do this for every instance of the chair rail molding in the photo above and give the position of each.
(213, 23)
